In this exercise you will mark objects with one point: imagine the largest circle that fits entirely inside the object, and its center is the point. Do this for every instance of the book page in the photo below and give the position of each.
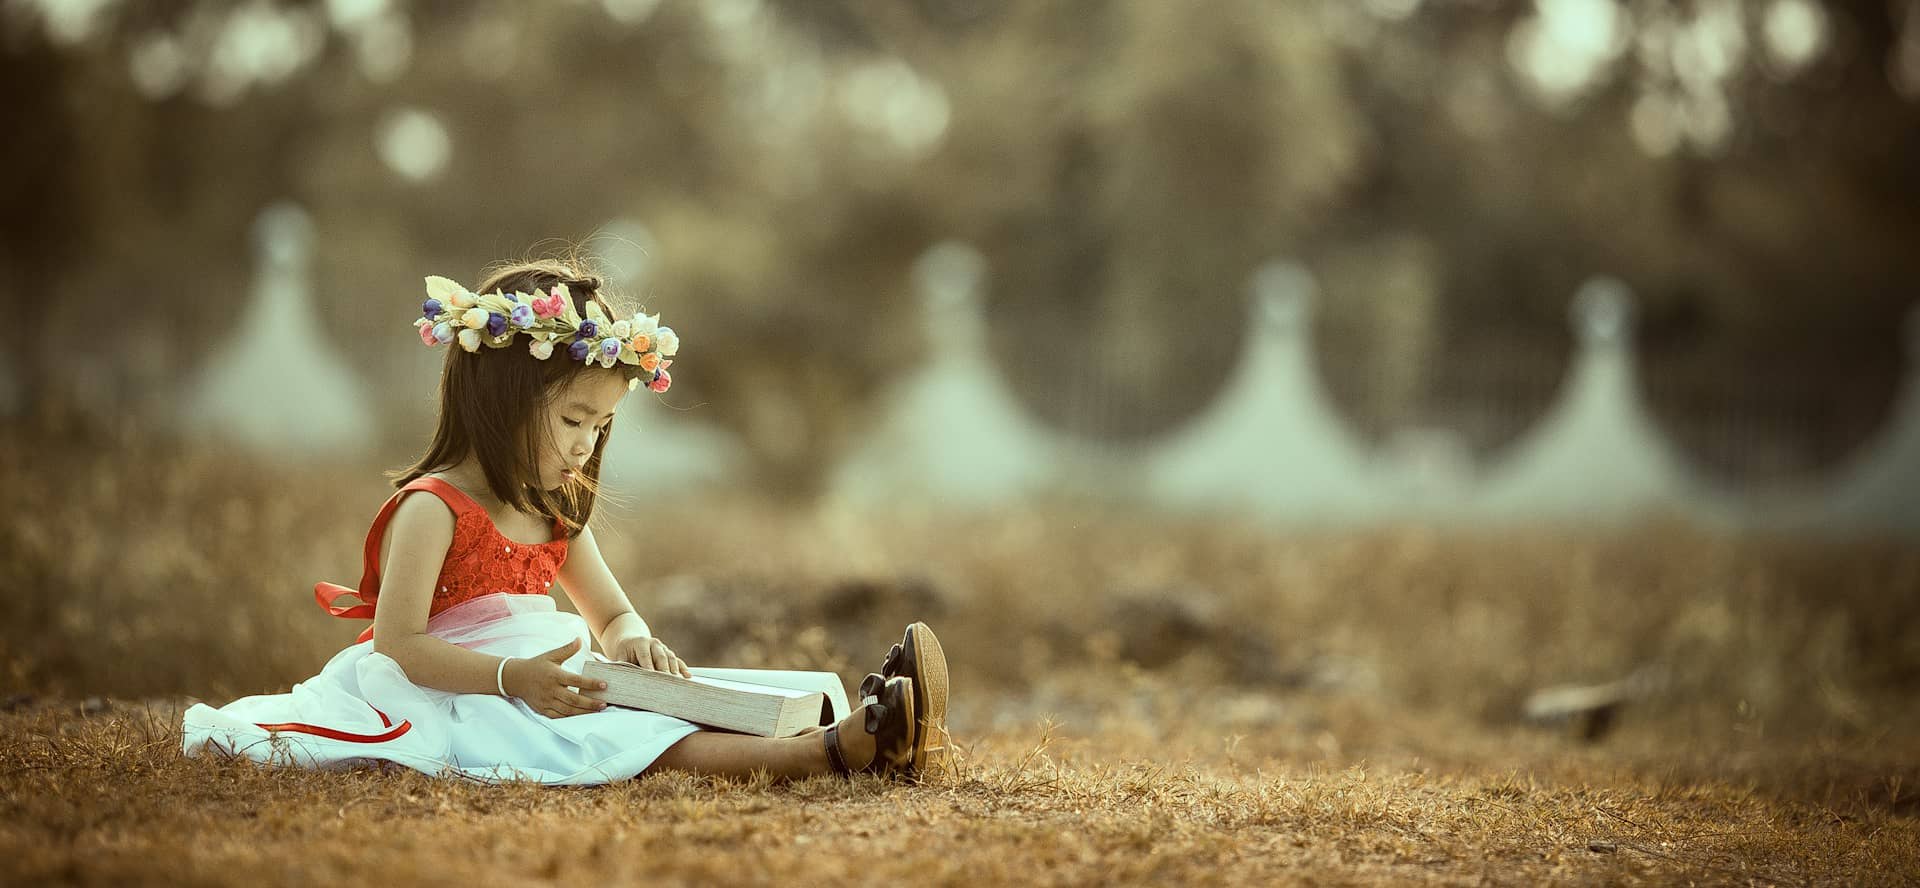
(750, 687)
(799, 679)
(747, 707)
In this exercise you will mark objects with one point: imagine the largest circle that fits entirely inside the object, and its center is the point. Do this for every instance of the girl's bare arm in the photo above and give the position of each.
(417, 541)
(591, 586)
(418, 535)
(623, 635)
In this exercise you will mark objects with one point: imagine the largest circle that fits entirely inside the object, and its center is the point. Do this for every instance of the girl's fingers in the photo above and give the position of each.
(680, 668)
(581, 681)
(563, 708)
(587, 704)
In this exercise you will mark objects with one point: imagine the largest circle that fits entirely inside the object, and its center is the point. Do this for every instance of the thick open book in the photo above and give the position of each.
(766, 702)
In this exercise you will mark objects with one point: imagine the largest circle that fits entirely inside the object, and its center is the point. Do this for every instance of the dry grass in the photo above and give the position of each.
(1135, 700)
(108, 798)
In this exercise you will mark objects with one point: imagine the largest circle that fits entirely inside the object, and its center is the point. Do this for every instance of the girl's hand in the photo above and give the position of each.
(547, 686)
(647, 652)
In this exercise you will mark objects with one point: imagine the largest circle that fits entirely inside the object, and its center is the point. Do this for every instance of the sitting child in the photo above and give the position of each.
(468, 668)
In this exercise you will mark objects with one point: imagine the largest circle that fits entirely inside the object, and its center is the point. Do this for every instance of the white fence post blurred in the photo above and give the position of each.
(1597, 456)
(952, 430)
(277, 385)
(1269, 443)
(657, 450)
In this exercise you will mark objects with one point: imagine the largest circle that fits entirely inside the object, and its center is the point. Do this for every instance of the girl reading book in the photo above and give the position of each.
(468, 668)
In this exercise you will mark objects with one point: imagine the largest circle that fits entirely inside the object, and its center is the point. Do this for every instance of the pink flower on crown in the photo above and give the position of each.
(550, 307)
(660, 381)
(426, 333)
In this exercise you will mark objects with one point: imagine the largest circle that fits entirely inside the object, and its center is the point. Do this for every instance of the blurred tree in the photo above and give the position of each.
(1450, 172)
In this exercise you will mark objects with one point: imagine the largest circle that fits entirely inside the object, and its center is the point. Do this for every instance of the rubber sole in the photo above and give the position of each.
(930, 693)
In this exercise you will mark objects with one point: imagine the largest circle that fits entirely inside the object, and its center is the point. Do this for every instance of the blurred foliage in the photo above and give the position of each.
(1123, 166)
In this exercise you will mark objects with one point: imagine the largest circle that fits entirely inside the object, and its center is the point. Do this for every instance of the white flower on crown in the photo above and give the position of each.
(541, 348)
(470, 339)
(668, 341)
(623, 329)
(643, 324)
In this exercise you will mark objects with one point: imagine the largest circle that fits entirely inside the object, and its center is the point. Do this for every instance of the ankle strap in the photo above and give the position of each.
(834, 758)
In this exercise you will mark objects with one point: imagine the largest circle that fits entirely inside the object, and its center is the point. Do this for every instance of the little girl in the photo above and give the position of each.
(468, 668)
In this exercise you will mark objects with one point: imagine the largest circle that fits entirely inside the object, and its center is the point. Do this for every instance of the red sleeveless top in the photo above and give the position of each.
(479, 561)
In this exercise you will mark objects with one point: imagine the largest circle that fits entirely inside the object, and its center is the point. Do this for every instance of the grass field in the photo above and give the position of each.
(1135, 700)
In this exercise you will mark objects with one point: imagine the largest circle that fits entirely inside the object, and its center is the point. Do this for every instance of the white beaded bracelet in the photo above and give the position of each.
(499, 673)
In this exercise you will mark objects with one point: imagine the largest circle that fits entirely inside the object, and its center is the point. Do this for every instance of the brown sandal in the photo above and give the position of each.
(889, 719)
(919, 656)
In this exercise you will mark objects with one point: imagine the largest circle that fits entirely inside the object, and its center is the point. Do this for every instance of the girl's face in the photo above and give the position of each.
(575, 422)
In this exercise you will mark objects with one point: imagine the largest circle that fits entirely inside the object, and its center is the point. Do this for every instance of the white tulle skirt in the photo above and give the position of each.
(362, 710)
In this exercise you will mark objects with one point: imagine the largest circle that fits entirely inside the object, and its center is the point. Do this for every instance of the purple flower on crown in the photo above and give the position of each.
(523, 316)
(496, 323)
(443, 332)
(430, 308)
(578, 351)
(587, 329)
(610, 347)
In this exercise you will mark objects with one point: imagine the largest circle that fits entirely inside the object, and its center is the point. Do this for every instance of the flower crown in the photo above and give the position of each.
(451, 312)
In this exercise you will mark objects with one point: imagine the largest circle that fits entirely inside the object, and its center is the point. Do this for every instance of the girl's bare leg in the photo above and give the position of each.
(739, 755)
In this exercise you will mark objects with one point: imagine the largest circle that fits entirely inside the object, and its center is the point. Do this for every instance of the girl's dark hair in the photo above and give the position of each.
(493, 403)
